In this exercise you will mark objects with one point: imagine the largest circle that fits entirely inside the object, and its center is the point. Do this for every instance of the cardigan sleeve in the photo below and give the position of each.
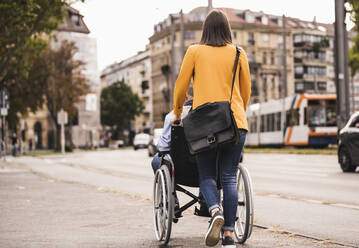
(245, 80)
(183, 81)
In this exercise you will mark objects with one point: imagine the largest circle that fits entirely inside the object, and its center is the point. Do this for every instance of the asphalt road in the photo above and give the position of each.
(299, 194)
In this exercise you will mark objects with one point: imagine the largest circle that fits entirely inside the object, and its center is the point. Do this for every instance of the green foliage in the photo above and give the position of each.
(119, 105)
(24, 28)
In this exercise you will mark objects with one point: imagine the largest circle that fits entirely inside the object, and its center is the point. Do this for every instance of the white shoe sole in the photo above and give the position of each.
(214, 231)
(228, 246)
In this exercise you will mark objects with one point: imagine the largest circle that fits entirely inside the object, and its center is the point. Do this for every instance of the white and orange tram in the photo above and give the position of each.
(299, 120)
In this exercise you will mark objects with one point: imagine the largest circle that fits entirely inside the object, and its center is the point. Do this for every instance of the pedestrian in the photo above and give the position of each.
(14, 144)
(30, 144)
(211, 64)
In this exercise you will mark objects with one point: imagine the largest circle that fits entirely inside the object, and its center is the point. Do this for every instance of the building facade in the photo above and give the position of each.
(308, 51)
(40, 129)
(136, 73)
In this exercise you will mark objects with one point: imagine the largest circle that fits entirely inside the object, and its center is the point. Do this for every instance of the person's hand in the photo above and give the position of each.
(176, 120)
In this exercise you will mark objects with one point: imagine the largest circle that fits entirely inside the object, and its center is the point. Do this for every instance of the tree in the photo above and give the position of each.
(119, 106)
(65, 84)
(60, 76)
(23, 26)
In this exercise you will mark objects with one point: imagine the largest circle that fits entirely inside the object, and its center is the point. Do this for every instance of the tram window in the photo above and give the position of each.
(271, 122)
(253, 124)
(278, 120)
(292, 118)
(331, 116)
(262, 123)
(305, 116)
(322, 113)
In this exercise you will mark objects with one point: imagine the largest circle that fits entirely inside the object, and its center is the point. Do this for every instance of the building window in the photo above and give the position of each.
(265, 37)
(76, 20)
(265, 88)
(272, 62)
(252, 56)
(264, 58)
(322, 86)
(251, 39)
(234, 35)
(316, 70)
(299, 87)
(298, 70)
(254, 89)
(189, 35)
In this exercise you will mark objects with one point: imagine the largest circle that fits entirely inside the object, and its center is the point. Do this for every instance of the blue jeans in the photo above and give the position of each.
(228, 160)
(156, 163)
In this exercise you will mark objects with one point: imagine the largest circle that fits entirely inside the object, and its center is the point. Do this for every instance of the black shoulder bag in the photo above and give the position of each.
(212, 125)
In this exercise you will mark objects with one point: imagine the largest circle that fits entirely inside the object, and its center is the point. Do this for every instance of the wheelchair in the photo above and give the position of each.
(178, 168)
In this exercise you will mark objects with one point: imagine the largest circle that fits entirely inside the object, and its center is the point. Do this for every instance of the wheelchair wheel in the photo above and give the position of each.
(244, 218)
(162, 204)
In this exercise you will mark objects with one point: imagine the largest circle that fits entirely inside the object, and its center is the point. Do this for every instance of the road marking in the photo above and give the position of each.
(303, 174)
(295, 234)
(48, 161)
(295, 198)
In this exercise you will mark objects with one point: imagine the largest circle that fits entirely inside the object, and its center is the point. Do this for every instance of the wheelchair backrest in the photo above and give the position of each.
(186, 172)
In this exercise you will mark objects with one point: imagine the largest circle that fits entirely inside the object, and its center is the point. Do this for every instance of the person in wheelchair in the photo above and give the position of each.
(164, 146)
(212, 63)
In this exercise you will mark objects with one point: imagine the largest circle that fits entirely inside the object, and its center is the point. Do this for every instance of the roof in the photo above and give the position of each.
(260, 19)
(73, 22)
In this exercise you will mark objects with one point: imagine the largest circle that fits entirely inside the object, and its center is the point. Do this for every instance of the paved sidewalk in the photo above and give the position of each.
(36, 211)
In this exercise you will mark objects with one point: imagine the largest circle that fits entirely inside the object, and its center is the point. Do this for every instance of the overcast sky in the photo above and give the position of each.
(122, 27)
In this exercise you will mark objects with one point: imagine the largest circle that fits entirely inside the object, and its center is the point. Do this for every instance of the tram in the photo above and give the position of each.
(299, 120)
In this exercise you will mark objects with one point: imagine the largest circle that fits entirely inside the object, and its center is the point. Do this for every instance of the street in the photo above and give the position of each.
(103, 199)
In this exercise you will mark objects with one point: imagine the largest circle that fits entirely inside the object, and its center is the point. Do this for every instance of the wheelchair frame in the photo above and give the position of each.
(163, 202)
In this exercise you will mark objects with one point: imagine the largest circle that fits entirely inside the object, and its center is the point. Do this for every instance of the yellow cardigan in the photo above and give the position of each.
(212, 69)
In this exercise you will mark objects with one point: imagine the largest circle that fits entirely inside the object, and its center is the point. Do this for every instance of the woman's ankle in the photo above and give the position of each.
(228, 233)
(213, 211)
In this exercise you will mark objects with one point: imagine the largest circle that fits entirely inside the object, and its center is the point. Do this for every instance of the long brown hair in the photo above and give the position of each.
(216, 30)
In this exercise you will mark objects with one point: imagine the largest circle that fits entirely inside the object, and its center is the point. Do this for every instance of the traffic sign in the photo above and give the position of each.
(62, 117)
(4, 112)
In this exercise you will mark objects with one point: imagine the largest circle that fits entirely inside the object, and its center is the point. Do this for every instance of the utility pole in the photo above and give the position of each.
(173, 60)
(182, 34)
(210, 7)
(284, 54)
(341, 65)
(62, 120)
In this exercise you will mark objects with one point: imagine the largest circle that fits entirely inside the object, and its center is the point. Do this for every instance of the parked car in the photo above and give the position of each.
(348, 144)
(116, 144)
(152, 147)
(141, 141)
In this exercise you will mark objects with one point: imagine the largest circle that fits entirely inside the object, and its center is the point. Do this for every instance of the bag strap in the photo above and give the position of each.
(238, 52)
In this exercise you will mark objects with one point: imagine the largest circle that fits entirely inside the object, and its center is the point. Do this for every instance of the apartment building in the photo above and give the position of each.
(260, 35)
(309, 54)
(135, 72)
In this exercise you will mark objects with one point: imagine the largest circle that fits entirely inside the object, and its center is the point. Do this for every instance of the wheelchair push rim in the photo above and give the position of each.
(244, 218)
(162, 205)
